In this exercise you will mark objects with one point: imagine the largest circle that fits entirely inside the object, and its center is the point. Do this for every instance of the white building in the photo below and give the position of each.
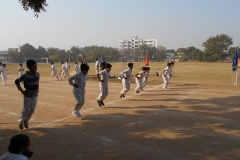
(4, 57)
(136, 43)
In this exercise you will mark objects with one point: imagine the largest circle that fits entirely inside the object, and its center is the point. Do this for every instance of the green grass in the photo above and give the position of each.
(201, 74)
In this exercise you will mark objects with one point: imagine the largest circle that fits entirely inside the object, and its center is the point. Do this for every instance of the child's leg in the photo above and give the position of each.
(103, 92)
(29, 104)
(126, 88)
(32, 107)
(138, 85)
(144, 82)
(164, 81)
(80, 99)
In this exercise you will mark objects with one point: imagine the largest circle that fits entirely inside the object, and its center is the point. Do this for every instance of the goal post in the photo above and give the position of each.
(43, 60)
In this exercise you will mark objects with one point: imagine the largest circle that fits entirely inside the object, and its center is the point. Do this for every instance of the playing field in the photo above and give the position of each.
(197, 118)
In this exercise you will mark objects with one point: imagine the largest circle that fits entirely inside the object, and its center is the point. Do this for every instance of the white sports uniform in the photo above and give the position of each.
(77, 69)
(139, 81)
(166, 77)
(20, 71)
(126, 82)
(145, 79)
(13, 156)
(63, 73)
(67, 65)
(54, 71)
(103, 85)
(3, 72)
(79, 79)
(97, 66)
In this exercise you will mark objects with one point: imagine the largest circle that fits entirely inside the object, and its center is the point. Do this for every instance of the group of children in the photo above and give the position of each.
(30, 79)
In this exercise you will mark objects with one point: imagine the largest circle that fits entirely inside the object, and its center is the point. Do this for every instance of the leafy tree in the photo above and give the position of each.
(196, 55)
(216, 48)
(36, 5)
(28, 51)
(231, 52)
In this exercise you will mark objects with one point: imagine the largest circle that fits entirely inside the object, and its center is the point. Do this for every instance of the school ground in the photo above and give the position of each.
(197, 118)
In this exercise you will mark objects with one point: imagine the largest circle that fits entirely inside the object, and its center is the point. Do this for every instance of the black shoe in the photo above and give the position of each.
(102, 103)
(99, 104)
(20, 125)
(123, 95)
(25, 124)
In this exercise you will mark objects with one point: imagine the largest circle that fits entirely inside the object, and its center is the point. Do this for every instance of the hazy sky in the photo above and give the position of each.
(175, 23)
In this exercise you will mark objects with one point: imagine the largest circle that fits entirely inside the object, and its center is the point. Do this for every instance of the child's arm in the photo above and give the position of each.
(70, 80)
(17, 82)
(98, 76)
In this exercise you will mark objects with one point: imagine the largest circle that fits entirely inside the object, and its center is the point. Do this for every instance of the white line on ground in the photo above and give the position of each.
(90, 109)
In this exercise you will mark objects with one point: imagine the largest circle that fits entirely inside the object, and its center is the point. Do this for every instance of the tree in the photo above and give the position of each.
(216, 48)
(28, 51)
(36, 5)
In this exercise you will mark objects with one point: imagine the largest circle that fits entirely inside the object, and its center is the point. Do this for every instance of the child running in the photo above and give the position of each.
(31, 85)
(67, 68)
(20, 70)
(166, 75)
(139, 79)
(78, 81)
(146, 77)
(3, 72)
(171, 72)
(126, 78)
(103, 84)
(54, 71)
(63, 71)
(76, 68)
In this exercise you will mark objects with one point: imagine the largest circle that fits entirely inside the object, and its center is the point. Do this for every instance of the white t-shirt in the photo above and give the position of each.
(12, 156)
(53, 67)
(67, 66)
(20, 69)
(127, 73)
(63, 67)
(80, 79)
(77, 67)
(141, 75)
(146, 75)
(3, 71)
(104, 75)
(96, 64)
(167, 71)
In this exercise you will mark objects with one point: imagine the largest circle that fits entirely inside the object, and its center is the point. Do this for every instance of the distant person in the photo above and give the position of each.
(77, 68)
(146, 77)
(171, 71)
(63, 71)
(20, 70)
(139, 79)
(18, 149)
(103, 64)
(67, 65)
(3, 72)
(54, 71)
(78, 81)
(126, 79)
(103, 77)
(96, 65)
(31, 85)
(166, 76)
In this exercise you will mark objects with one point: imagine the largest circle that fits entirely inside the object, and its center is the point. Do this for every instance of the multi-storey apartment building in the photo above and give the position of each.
(136, 43)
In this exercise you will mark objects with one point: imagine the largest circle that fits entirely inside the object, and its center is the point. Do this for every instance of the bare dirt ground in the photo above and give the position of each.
(184, 122)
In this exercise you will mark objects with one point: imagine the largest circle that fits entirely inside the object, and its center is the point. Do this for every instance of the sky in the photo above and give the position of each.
(66, 23)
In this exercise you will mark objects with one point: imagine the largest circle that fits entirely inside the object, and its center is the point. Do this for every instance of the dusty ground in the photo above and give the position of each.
(187, 121)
